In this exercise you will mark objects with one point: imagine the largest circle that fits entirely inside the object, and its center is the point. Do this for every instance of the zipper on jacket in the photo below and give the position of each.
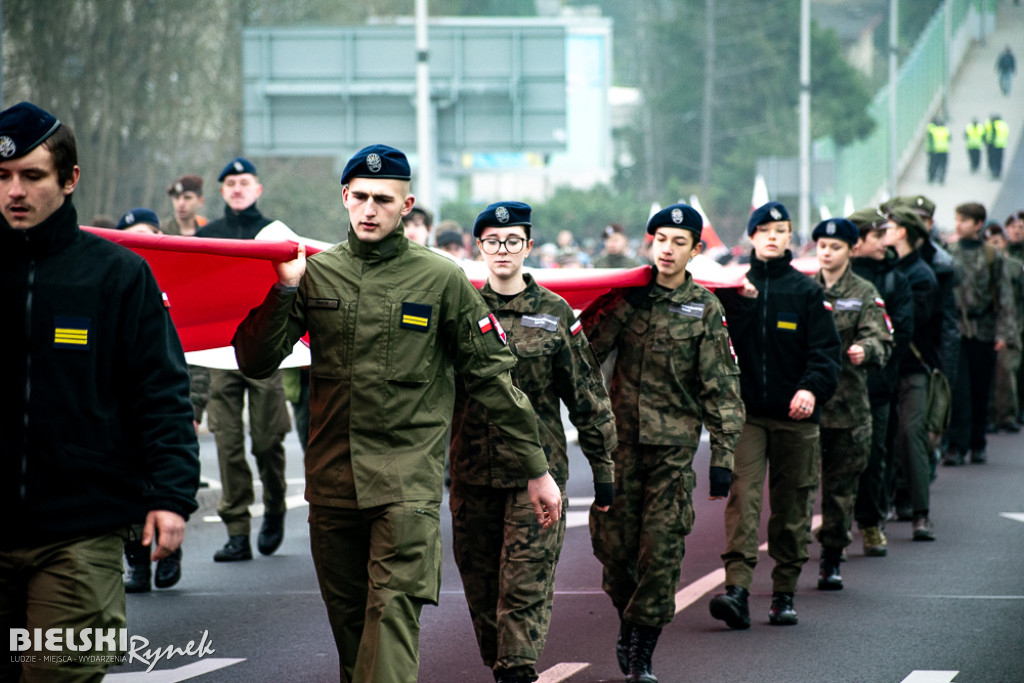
(28, 376)
(764, 345)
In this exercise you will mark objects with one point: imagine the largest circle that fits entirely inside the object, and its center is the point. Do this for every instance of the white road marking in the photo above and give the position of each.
(1019, 516)
(182, 673)
(291, 502)
(562, 671)
(930, 677)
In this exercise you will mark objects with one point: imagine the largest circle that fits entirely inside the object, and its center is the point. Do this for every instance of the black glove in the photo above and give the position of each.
(604, 493)
(637, 296)
(721, 481)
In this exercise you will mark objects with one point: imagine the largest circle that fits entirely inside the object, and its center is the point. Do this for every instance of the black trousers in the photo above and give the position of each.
(971, 392)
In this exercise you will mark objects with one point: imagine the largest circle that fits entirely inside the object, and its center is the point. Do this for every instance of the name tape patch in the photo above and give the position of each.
(328, 304)
(544, 321)
(689, 310)
(848, 304)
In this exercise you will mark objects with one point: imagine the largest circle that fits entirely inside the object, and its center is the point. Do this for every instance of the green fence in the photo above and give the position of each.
(862, 168)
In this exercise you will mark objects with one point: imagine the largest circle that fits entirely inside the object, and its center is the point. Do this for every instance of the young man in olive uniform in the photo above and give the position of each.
(789, 352)
(97, 426)
(876, 262)
(268, 413)
(674, 371)
(506, 560)
(1005, 397)
(866, 336)
(390, 325)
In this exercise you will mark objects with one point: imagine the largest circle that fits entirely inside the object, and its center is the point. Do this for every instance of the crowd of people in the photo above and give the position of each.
(825, 386)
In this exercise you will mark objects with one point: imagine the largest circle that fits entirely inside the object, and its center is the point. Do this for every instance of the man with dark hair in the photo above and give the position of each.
(418, 224)
(186, 195)
(616, 249)
(268, 412)
(103, 440)
(391, 324)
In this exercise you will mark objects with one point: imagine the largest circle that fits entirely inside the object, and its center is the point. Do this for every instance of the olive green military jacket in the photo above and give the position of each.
(675, 368)
(860, 317)
(554, 365)
(985, 295)
(1016, 267)
(390, 325)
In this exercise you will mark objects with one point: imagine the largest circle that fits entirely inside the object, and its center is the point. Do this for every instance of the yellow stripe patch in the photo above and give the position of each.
(63, 335)
(783, 325)
(415, 320)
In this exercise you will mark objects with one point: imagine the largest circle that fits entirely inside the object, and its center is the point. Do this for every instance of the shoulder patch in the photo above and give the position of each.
(828, 305)
(488, 323)
(576, 327)
(544, 321)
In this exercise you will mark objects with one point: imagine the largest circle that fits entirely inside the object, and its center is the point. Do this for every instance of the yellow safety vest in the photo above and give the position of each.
(975, 134)
(1001, 133)
(938, 138)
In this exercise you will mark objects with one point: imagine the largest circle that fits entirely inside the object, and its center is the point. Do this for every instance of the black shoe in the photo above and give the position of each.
(168, 570)
(923, 529)
(731, 607)
(137, 576)
(1010, 426)
(641, 651)
(622, 645)
(782, 612)
(979, 457)
(237, 548)
(517, 674)
(829, 578)
(953, 458)
(271, 534)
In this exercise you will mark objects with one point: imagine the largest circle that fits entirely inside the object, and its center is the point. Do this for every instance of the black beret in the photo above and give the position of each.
(186, 183)
(837, 228)
(24, 127)
(377, 161)
(768, 213)
(502, 215)
(681, 216)
(237, 166)
(136, 216)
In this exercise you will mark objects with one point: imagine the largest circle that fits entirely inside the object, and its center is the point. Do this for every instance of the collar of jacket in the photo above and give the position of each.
(520, 304)
(387, 248)
(840, 284)
(969, 244)
(242, 218)
(680, 295)
(52, 235)
(771, 268)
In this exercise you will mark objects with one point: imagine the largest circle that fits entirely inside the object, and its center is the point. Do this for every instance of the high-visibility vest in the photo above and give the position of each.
(938, 138)
(975, 134)
(1000, 133)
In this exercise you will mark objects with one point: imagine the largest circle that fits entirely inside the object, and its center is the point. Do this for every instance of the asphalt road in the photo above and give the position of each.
(952, 610)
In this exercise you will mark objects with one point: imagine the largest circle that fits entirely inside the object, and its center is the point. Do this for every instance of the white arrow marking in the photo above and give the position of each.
(930, 677)
(1019, 516)
(182, 673)
(562, 671)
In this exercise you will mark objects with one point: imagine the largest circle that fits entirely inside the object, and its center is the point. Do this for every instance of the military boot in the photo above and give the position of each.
(271, 534)
(517, 674)
(237, 548)
(875, 543)
(782, 612)
(829, 578)
(731, 607)
(622, 644)
(641, 649)
(168, 570)
(136, 579)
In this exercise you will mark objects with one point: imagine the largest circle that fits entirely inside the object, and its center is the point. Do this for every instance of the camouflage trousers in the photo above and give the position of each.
(1005, 403)
(788, 452)
(640, 540)
(507, 563)
(844, 455)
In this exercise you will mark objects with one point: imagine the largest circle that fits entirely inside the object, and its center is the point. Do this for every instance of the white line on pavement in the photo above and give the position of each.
(561, 671)
(182, 673)
(1018, 516)
(930, 677)
(257, 510)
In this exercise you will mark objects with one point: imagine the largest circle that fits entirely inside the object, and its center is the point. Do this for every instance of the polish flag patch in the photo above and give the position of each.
(489, 323)
(167, 301)
(828, 305)
(576, 327)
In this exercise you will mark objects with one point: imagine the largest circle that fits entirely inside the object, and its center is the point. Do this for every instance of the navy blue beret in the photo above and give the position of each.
(237, 166)
(24, 127)
(677, 216)
(377, 161)
(503, 215)
(837, 228)
(136, 216)
(769, 213)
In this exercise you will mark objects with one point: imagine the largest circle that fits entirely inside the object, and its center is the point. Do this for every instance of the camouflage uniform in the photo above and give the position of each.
(506, 561)
(860, 318)
(1005, 399)
(675, 370)
(986, 306)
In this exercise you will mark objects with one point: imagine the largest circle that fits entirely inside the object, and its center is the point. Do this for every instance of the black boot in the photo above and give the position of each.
(517, 674)
(829, 578)
(137, 577)
(622, 644)
(731, 607)
(641, 650)
(271, 534)
(782, 612)
(237, 548)
(168, 570)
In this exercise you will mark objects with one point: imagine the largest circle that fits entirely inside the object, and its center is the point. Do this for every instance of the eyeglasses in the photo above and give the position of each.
(513, 245)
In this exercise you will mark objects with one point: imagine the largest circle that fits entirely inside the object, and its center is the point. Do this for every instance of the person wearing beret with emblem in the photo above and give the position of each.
(186, 195)
(912, 447)
(97, 426)
(866, 335)
(789, 352)
(141, 220)
(674, 372)
(876, 262)
(268, 412)
(506, 560)
(616, 249)
(391, 324)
